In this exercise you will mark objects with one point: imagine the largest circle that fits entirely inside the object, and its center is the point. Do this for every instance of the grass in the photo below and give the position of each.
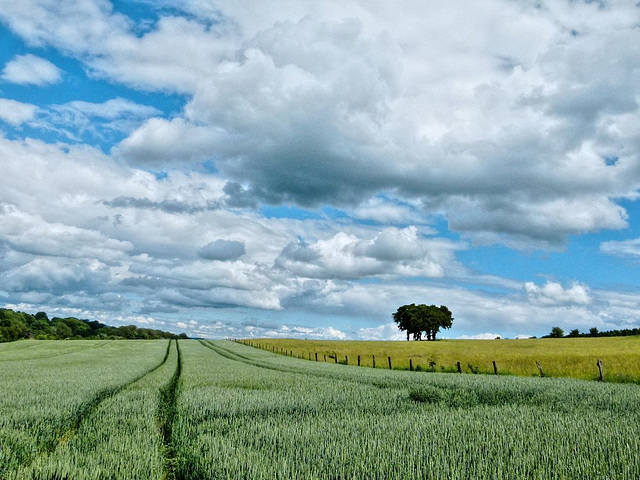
(565, 357)
(246, 413)
(118, 438)
(221, 410)
(44, 397)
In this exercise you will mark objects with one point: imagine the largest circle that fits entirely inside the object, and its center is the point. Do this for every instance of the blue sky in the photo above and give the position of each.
(303, 169)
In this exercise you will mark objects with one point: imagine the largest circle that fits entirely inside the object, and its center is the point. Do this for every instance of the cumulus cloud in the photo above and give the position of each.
(223, 250)
(504, 131)
(282, 119)
(30, 70)
(520, 129)
(392, 251)
(297, 331)
(16, 113)
(158, 142)
(57, 276)
(31, 234)
(385, 210)
(387, 331)
(553, 293)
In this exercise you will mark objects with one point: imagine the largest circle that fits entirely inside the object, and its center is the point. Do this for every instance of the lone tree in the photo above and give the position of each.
(556, 332)
(418, 319)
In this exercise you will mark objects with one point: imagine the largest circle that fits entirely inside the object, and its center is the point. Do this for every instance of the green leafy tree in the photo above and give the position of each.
(556, 332)
(574, 333)
(61, 329)
(418, 319)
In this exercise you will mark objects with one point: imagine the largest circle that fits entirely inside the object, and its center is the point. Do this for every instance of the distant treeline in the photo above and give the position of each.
(557, 332)
(16, 325)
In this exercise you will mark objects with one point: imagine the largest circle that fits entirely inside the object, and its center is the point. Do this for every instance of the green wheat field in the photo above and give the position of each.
(192, 409)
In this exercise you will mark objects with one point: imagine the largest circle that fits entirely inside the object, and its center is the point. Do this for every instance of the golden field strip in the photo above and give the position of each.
(562, 357)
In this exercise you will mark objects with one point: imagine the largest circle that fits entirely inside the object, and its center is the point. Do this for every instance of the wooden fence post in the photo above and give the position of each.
(316, 356)
(346, 360)
(374, 361)
(336, 358)
(495, 368)
(459, 367)
(540, 368)
(358, 360)
(389, 362)
(600, 369)
(325, 357)
(410, 365)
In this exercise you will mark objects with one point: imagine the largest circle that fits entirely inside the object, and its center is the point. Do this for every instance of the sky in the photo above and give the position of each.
(301, 169)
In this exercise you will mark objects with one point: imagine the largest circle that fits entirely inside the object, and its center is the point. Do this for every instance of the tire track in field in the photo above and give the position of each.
(301, 371)
(167, 410)
(66, 433)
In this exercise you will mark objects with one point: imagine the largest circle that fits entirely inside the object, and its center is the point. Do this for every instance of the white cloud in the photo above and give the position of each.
(391, 252)
(57, 276)
(16, 113)
(77, 120)
(159, 142)
(481, 336)
(31, 234)
(386, 211)
(109, 110)
(552, 293)
(30, 70)
(501, 128)
(520, 128)
(388, 331)
(623, 248)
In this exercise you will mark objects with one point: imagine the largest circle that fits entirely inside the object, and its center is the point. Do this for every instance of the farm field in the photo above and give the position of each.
(217, 409)
(559, 357)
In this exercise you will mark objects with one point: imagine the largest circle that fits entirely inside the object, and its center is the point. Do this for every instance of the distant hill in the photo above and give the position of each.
(16, 325)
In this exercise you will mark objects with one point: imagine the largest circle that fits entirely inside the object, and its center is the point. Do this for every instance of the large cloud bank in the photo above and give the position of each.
(515, 122)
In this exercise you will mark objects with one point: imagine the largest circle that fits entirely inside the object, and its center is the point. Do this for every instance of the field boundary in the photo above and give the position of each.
(609, 360)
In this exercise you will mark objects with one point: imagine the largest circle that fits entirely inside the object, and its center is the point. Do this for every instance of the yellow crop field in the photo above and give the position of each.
(558, 357)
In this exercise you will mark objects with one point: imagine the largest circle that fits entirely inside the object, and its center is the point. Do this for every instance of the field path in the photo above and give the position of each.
(166, 417)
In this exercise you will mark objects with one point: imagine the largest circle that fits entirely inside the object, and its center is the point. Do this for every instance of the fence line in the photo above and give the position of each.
(412, 367)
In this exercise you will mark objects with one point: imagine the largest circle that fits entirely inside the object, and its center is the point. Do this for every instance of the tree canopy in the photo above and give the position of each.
(17, 325)
(418, 319)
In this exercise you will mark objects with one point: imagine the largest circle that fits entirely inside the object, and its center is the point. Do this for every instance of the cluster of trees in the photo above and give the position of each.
(418, 319)
(17, 325)
(557, 332)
